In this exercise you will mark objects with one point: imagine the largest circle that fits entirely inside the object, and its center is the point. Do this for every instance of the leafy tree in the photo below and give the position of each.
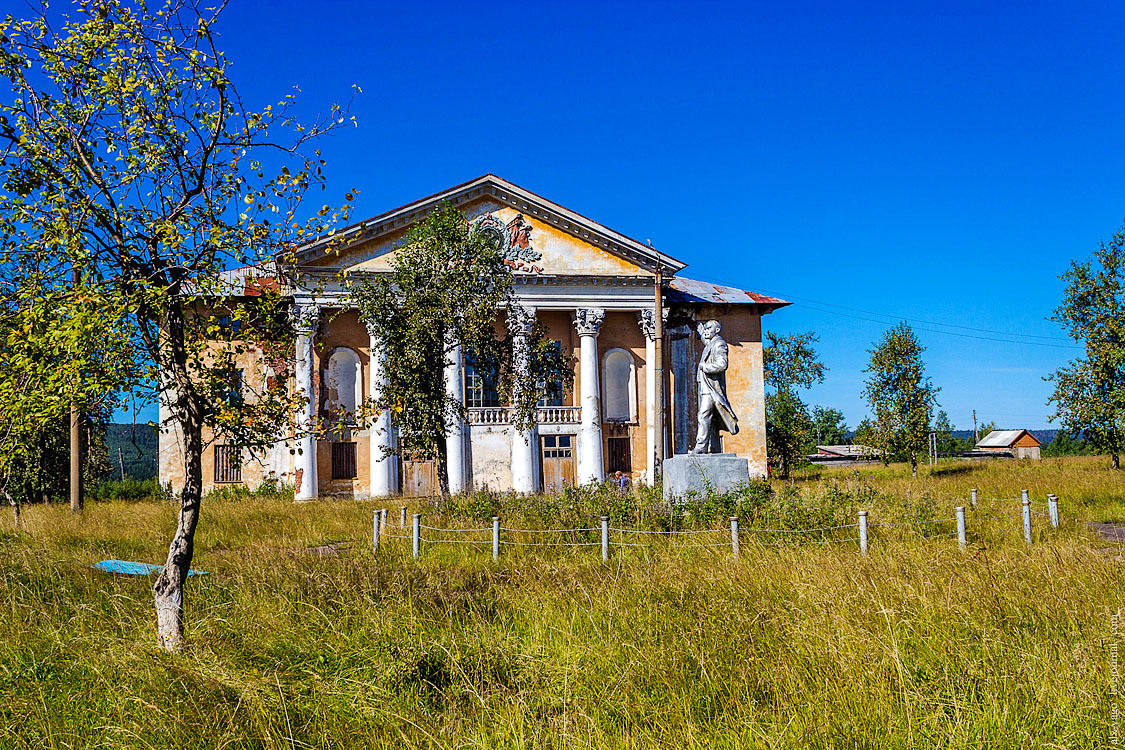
(56, 346)
(1067, 444)
(789, 362)
(946, 443)
(900, 395)
(1089, 394)
(829, 425)
(126, 152)
(448, 282)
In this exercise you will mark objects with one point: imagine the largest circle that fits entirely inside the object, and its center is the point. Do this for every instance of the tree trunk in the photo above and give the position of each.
(1115, 460)
(15, 510)
(168, 591)
(442, 468)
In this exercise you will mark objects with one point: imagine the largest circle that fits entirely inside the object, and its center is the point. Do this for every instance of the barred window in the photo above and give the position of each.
(480, 383)
(228, 463)
(343, 461)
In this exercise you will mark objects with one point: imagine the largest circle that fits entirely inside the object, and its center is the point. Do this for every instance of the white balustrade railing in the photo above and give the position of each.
(488, 415)
(543, 415)
(558, 414)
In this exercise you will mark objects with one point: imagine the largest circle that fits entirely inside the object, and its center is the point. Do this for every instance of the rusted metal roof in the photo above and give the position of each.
(690, 291)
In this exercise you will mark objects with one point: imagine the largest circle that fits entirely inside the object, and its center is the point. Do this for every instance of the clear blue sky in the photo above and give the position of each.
(936, 161)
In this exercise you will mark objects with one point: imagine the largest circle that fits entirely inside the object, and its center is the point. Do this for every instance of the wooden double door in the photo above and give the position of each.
(557, 461)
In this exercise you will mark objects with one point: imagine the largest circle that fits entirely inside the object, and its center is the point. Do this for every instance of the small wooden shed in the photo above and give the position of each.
(1020, 443)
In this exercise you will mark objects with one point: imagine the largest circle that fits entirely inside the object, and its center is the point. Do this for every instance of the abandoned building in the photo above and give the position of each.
(590, 287)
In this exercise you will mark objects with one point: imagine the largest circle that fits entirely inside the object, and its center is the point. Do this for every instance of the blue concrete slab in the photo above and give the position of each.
(128, 568)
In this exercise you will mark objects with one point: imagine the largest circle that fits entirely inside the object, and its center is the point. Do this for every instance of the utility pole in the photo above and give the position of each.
(658, 371)
(75, 436)
(121, 462)
(976, 433)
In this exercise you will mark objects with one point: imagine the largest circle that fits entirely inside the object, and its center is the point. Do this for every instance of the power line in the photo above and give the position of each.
(808, 304)
(938, 330)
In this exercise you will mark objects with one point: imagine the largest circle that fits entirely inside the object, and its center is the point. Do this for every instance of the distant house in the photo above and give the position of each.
(847, 451)
(1020, 443)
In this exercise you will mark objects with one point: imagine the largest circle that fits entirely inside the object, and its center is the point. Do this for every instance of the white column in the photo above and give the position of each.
(382, 463)
(647, 320)
(591, 468)
(308, 317)
(454, 426)
(524, 442)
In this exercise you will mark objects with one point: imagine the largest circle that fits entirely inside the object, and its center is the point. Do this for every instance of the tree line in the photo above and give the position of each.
(1088, 394)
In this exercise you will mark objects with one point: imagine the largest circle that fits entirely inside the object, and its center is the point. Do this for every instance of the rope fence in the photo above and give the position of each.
(624, 536)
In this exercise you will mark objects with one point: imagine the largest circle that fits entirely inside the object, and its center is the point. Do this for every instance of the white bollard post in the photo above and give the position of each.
(961, 526)
(974, 492)
(863, 531)
(1027, 520)
(402, 518)
(605, 538)
(734, 536)
(495, 537)
(375, 524)
(417, 535)
(1053, 510)
(383, 520)
(1024, 497)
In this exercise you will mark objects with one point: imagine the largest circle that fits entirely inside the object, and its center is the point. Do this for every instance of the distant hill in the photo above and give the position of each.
(138, 445)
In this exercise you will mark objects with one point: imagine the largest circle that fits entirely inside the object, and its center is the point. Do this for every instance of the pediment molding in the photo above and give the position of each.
(503, 193)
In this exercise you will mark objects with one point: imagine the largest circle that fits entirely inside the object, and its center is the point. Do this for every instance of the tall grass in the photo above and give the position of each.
(914, 645)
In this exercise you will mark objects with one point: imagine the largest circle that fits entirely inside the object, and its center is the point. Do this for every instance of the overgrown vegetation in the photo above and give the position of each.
(300, 637)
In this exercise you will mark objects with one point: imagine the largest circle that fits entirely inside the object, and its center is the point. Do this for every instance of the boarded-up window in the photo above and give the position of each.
(618, 384)
(620, 456)
(343, 461)
(228, 463)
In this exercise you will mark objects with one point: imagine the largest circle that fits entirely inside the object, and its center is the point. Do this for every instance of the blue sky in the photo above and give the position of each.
(939, 162)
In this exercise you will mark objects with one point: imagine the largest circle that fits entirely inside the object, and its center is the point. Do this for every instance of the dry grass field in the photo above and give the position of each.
(302, 637)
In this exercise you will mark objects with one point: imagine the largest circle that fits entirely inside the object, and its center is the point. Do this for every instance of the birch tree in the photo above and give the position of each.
(127, 152)
(1089, 393)
(900, 394)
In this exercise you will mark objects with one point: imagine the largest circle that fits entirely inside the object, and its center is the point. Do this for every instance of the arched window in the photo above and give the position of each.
(343, 391)
(619, 387)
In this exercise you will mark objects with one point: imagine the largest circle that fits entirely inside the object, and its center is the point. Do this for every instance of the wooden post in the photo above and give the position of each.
(402, 521)
(417, 535)
(974, 497)
(1026, 518)
(375, 524)
(495, 537)
(75, 437)
(658, 374)
(734, 548)
(1053, 510)
(605, 538)
(961, 542)
(863, 531)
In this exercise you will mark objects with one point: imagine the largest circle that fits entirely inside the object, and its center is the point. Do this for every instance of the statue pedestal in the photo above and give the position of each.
(716, 472)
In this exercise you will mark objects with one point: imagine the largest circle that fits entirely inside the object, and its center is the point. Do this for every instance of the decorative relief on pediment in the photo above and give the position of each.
(514, 239)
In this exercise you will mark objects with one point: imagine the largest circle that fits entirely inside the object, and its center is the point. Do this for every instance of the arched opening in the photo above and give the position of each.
(619, 389)
(343, 392)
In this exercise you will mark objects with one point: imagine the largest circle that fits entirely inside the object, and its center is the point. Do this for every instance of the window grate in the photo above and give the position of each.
(228, 463)
(343, 461)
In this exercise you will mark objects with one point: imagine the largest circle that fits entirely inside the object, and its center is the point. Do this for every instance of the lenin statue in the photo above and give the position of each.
(715, 412)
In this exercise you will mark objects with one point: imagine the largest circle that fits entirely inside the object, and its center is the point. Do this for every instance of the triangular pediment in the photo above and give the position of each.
(541, 237)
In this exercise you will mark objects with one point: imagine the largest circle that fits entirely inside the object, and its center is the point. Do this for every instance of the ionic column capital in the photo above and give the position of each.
(588, 320)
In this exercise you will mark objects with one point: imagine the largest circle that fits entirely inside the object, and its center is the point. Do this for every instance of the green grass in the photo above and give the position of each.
(914, 645)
